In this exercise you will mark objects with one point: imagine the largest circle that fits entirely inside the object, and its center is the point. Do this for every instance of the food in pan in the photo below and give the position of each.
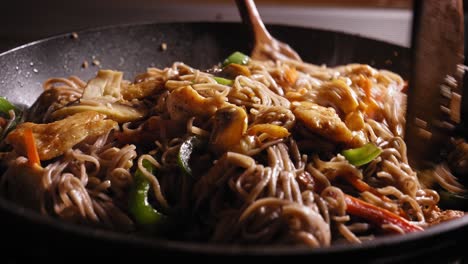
(248, 152)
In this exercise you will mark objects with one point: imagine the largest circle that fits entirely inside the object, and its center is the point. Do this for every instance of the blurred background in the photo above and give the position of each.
(23, 21)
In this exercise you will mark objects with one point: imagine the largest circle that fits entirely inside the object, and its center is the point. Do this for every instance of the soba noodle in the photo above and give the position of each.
(269, 170)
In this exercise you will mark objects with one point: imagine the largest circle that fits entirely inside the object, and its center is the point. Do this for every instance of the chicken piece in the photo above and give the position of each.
(325, 122)
(185, 102)
(355, 121)
(230, 124)
(24, 183)
(338, 95)
(53, 139)
(141, 90)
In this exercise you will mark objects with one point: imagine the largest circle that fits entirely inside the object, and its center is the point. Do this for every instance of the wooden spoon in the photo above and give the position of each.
(266, 47)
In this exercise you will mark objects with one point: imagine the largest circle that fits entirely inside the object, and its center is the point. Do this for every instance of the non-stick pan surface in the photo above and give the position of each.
(132, 49)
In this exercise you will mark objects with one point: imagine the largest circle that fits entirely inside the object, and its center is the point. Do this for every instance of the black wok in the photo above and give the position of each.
(134, 48)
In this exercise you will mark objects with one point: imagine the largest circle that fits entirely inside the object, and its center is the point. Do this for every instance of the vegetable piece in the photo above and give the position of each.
(366, 85)
(7, 126)
(10, 126)
(105, 92)
(106, 83)
(370, 105)
(233, 70)
(290, 75)
(31, 149)
(362, 186)
(273, 131)
(362, 155)
(355, 121)
(238, 58)
(118, 112)
(6, 106)
(142, 211)
(377, 215)
(223, 81)
(185, 153)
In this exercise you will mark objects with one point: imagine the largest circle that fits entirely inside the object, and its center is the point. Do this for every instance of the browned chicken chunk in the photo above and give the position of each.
(339, 95)
(230, 124)
(325, 122)
(186, 102)
(141, 90)
(53, 139)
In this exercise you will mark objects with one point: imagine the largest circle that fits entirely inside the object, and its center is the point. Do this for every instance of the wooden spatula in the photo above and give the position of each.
(266, 47)
(435, 83)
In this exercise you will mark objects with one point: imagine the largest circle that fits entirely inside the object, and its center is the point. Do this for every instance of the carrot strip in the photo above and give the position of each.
(371, 105)
(274, 131)
(366, 85)
(290, 74)
(362, 186)
(31, 149)
(377, 215)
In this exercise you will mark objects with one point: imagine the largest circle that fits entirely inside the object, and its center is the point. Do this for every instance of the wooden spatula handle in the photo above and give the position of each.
(251, 16)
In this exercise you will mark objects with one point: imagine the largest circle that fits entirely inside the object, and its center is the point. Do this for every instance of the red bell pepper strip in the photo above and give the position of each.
(377, 215)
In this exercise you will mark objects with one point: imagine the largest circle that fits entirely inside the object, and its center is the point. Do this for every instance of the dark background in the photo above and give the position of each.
(22, 21)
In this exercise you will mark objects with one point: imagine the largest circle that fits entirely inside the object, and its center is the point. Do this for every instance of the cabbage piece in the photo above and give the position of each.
(103, 94)
(105, 84)
(118, 112)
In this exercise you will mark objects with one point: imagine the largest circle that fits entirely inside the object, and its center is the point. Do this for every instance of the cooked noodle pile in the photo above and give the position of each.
(265, 160)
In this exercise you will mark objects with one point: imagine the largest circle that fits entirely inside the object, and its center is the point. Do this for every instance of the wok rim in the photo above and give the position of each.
(203, 247)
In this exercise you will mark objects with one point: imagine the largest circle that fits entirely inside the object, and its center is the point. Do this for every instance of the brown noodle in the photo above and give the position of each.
(265, 190)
